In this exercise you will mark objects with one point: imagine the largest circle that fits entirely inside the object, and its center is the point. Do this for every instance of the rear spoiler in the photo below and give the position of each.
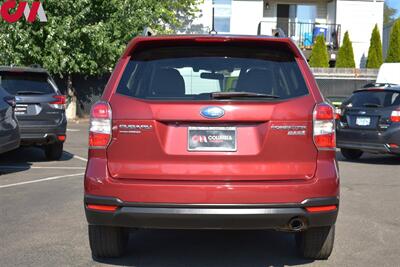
(379, 89)
(191, 39)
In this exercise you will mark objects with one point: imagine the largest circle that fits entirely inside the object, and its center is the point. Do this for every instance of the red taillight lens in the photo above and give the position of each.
(338, 113)
(59, 102)
(395, 117)
(393, 146)
(62, 138)
(324, 127)
(100, 126)
(323, 112)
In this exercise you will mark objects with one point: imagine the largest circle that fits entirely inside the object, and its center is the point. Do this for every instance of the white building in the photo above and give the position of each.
(300, 19)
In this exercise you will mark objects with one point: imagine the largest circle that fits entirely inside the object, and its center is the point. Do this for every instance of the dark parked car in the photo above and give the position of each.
(40, 108)
(9, 130)
(370, 122)
(174, 143)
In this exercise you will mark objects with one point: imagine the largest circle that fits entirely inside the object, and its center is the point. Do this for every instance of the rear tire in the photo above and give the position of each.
(316, 243)
(351, 154)
(54, 151)
(107, 241)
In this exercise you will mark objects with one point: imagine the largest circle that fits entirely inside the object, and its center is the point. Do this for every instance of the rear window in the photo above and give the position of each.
(17, 83)
(374, 99)
(194, 72)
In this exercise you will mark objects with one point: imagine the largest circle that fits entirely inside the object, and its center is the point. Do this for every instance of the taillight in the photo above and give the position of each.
(395, 117)
(324, 127)
(59, 102)
(100, 126)
(338, 113)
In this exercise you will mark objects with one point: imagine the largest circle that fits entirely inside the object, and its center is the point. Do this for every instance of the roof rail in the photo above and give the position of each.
(147, 31)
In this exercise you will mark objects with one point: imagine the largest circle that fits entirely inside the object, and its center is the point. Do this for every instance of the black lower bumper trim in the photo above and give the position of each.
(238, 216)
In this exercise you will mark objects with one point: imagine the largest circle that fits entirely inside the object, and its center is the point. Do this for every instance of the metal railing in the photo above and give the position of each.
(304, 33)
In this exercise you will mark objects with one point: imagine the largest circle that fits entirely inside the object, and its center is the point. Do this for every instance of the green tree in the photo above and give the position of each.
(375, 53)
(389, 14)
(393, 54)
(87, 36)
(345, 58)
(319, 55)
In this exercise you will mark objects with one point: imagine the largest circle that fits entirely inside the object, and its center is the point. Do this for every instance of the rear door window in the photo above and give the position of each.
(374, 99)
(194, 72)
(20, 83)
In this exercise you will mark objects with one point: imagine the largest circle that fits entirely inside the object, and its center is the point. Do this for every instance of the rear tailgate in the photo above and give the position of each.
(159, 150)
(273, 137)
(35, 111)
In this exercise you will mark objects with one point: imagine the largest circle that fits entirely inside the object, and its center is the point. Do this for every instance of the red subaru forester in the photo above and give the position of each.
(212, 132)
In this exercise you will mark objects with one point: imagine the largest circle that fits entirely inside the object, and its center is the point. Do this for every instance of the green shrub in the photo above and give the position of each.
(375, 54)
(394, 44)
(345, 58)
(319, 55)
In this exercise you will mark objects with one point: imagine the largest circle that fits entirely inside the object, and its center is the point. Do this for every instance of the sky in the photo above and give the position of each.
(394, 4)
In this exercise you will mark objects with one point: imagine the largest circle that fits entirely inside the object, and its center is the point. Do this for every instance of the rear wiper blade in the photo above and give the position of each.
(229, 95)
(29, 93)
(371, 105)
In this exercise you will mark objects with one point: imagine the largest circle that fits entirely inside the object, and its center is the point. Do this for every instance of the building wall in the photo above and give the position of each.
(246, 15)
(359, 18)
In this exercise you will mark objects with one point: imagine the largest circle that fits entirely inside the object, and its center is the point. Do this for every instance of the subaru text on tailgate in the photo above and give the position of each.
(212, 132)
(40, 108)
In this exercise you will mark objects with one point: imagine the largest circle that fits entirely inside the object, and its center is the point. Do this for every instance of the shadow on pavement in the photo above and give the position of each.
(376, 159)
(22, 158)
(209, 248)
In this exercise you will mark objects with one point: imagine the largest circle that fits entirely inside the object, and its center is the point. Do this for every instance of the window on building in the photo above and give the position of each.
(222, 16)
(306, 13)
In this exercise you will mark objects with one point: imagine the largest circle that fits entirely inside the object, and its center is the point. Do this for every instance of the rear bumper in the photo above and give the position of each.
(369, 141)
(42, 134)
(99, 183)
(199, 216)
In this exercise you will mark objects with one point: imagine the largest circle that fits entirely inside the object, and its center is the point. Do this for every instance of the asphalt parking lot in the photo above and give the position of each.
(42, 220)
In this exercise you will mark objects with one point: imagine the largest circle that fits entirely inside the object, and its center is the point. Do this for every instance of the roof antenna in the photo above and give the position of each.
(148, 32)
(213, 31)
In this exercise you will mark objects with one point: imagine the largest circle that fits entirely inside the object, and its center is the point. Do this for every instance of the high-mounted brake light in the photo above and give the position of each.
(395, 117)
(324, 127)
(59, 102)
(100, 126)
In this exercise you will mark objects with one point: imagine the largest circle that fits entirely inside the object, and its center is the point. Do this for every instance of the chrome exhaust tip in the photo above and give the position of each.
(297, 224)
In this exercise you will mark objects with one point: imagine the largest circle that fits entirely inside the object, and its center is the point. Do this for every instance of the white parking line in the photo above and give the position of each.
(80, 158)
(41, 180)
(9, 167)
